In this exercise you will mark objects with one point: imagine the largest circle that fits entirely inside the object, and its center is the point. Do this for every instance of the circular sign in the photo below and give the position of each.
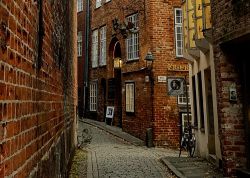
(175, 84)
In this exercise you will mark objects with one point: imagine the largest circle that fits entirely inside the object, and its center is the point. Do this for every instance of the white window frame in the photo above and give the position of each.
(132, 42)
(79, 5)
(94, 50)
(108, 0)
(102, 61)
(79, 44)
(178, 32)
(93, 90)
(182, 98)
(130, 97)
(98, 3)
(184, 120)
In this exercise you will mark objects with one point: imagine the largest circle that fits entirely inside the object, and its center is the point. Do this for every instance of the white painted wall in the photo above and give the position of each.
(205, 61)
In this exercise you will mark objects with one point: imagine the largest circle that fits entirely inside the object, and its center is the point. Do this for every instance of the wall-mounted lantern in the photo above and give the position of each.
(117, 63)
(149, 63)
(149, 60)
(124, 28)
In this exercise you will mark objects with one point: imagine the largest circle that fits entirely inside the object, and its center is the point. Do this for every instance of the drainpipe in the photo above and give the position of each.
(86, 60)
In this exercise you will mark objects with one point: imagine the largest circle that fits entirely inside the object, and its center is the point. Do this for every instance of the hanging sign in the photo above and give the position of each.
(175, 86)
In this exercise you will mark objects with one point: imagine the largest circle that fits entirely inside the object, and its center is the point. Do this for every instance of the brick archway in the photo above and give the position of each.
(116, 52)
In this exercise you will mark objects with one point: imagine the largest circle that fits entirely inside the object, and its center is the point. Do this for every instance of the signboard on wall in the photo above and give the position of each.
(175, 86)
(179, 67)
(110, 112)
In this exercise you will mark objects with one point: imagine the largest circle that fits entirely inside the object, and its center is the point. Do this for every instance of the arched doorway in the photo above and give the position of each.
(116, 55)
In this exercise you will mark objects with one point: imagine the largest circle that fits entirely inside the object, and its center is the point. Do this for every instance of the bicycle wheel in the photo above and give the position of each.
(192, 145)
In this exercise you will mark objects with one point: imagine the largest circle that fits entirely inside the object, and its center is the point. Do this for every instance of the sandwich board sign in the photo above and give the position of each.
(110, 114)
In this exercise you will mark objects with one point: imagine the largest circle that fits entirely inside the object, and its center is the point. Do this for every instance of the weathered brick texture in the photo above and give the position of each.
(153, 107)
(81, 27)
(37, 105)
(231, 44)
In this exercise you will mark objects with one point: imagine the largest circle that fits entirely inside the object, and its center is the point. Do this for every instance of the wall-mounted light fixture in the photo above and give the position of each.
(124, 28)
(117, 63)
(149, 60)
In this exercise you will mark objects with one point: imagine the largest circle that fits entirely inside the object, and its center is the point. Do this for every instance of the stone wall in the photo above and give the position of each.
(38, 87)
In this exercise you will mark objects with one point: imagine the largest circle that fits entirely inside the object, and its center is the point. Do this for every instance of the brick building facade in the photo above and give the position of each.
(38, 91)
(81, 52)
(231, 39)
(138, 92)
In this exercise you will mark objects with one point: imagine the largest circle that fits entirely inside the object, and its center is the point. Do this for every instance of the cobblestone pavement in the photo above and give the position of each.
(111, 157)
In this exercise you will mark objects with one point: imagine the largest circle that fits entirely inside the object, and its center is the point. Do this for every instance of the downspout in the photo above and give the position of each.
(40, 34)
(86, 61)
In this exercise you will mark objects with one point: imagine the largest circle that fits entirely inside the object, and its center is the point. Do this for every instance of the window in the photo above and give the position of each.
(102, 61)
(79, 5)
(130, 97)
(182, 99)
(94, 53)
(178, 33)
(98, 3)
(108, 0)
(133, 39)
(79, 44)
(184, 120)
(93, 96)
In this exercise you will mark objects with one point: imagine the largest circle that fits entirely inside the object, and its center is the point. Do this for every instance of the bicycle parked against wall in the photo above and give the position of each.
(188, 141)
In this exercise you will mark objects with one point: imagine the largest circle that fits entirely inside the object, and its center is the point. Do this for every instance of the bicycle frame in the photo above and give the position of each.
(188, 141)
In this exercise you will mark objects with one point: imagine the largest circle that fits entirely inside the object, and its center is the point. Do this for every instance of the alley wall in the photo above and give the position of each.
(37, 87)
(231, 36)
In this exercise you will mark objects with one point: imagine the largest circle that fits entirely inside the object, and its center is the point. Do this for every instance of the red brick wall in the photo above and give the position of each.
(161, 36)
(137, 123)
(230, 30)
(156, 23)
(37, 106)
(81, 22)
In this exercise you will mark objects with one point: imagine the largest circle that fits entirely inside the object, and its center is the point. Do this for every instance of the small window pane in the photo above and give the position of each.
(94, 52)
(79, 44)
(130, 99)
(102, 46)
(182, 98)
(178, 33)
(93, 96)
(133, 39)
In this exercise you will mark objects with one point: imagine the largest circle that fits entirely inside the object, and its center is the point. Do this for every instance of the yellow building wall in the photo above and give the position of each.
(188, 24)
(196, 18)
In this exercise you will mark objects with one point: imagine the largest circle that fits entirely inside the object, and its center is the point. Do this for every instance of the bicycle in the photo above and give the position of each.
(84, 138)
(188, 141)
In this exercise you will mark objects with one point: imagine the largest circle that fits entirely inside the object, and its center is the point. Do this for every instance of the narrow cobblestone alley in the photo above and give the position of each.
(110, 156)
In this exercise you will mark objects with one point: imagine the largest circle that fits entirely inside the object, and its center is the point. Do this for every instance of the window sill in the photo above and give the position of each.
(98, 7)
(178, 57)
(132, 60)
(130, 113)
(107, 2)
(103, 66)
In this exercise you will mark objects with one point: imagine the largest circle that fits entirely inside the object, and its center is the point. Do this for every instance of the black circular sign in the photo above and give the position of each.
(175, 84)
